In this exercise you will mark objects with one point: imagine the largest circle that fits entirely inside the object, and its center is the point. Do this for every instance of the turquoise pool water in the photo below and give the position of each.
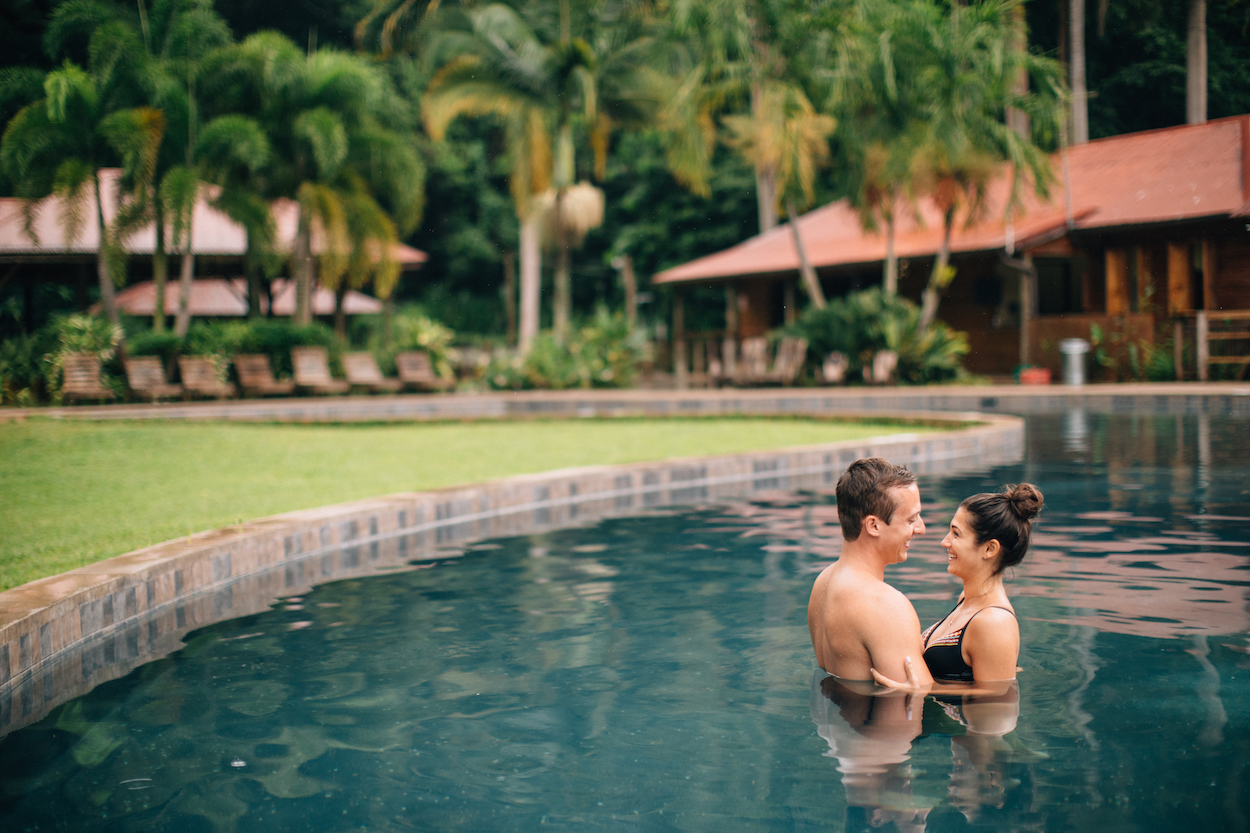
(654, 673)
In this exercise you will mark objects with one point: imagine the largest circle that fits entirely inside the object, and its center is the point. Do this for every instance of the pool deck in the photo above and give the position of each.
(1147, 397)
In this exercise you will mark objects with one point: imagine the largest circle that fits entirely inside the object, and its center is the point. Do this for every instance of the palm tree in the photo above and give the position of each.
(788, 139)
(330, 121)
(966, 61)
(178, 37)
(546, 87)
(879, 107)
(751, 49)
(88, 119)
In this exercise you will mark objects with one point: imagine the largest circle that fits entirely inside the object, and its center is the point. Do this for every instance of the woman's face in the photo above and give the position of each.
(966, 558)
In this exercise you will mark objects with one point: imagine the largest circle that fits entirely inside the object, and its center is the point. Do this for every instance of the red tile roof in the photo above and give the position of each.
(1159, 176)
(213, 233)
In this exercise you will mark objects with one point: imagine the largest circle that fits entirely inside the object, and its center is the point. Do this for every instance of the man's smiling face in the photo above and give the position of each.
(905, 524)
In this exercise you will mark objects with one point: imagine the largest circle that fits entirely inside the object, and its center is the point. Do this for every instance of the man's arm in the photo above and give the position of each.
(892, 635)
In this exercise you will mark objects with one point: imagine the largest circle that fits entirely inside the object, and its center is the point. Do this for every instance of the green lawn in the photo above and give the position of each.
(72, 493)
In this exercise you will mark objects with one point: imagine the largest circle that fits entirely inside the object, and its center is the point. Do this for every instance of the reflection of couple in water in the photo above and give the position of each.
(867, 636)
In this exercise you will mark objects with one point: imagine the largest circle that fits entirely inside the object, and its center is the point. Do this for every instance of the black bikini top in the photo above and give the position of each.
(945, 656)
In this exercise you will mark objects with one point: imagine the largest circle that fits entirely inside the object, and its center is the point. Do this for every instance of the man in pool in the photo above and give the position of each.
(857, 621)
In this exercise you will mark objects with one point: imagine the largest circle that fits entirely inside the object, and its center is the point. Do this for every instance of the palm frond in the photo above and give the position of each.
(322, 204)
(70, 185)
(179, 189)
(232, 142)
(322, 131)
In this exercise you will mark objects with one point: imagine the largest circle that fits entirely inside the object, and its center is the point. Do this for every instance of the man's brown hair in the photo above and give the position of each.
(864, 489)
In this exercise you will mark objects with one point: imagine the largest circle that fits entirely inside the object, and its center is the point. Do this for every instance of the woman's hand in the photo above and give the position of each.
(912, 684)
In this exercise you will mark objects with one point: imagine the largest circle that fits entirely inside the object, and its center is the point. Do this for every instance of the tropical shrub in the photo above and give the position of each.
(603, 353)
(165, 344)
(412, 329)
(864, 323)
(24, 361)
(84, 334)
(276, 336)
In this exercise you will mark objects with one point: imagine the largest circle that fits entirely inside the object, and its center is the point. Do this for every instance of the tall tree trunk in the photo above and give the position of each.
(1196, 64)
(1080, 96)
(889, 280)
(563, 301)
(340, 316)
(108, 291)
(509, 294)
(303, 269)
(160, 270)
(940, 278)
(183, 321)
(531, 280)
(251, 266)
(811, 282)
(1017, 119)
(765, 178)
(388, 317)
(766, 196)
(629, 281)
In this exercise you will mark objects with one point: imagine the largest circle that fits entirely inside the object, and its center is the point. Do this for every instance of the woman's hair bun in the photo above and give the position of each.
(1025, 498)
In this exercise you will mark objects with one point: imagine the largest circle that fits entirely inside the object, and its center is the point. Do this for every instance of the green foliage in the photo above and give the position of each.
(83, 334)
(88, 334)
(1129, 359)
(863, 323)
(23, 365)
(603, 353)
(276, 336)
(412, 329)
(165, 344)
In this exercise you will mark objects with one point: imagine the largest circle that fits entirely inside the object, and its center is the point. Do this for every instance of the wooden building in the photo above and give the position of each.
(42, 251)
(1143, 242)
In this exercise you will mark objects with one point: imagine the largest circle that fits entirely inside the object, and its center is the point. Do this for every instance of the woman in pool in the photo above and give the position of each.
(979, 641)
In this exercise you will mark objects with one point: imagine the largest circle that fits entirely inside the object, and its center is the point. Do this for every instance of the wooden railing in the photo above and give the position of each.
(694, 356)
(1229, 330)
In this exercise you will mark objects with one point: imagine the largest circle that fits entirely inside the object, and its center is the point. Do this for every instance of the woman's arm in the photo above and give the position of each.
(992, 645)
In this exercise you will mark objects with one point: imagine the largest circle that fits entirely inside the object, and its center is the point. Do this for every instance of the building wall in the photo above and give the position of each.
(1113, 340)
(1232, 269)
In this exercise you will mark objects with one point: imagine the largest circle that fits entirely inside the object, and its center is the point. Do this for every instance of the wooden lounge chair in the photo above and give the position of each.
(256, 377)
(722, 368)
(416, 371)
(833, 371)
(753, 364)
(199, 378)
(145, 376)
(788, 363)
(753, 368)
(312, 371)
(82, 378)
(363, 372)
(881, 370)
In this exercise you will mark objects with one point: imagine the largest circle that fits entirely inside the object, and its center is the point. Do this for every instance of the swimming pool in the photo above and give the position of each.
(654, 673)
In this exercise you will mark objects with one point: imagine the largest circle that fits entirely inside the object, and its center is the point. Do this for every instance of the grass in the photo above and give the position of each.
(72, 493)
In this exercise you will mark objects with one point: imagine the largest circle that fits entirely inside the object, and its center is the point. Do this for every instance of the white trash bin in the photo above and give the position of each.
(1074, 351)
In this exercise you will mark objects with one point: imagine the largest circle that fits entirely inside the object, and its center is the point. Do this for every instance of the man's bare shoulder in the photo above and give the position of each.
(841, 577)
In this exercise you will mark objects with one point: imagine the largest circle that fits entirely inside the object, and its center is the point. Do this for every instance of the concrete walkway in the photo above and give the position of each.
(1165, 398)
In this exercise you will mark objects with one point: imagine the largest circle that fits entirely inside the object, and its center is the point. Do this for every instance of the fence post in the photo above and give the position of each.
(1178, 348)
(1204, 346)
(679, 342)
